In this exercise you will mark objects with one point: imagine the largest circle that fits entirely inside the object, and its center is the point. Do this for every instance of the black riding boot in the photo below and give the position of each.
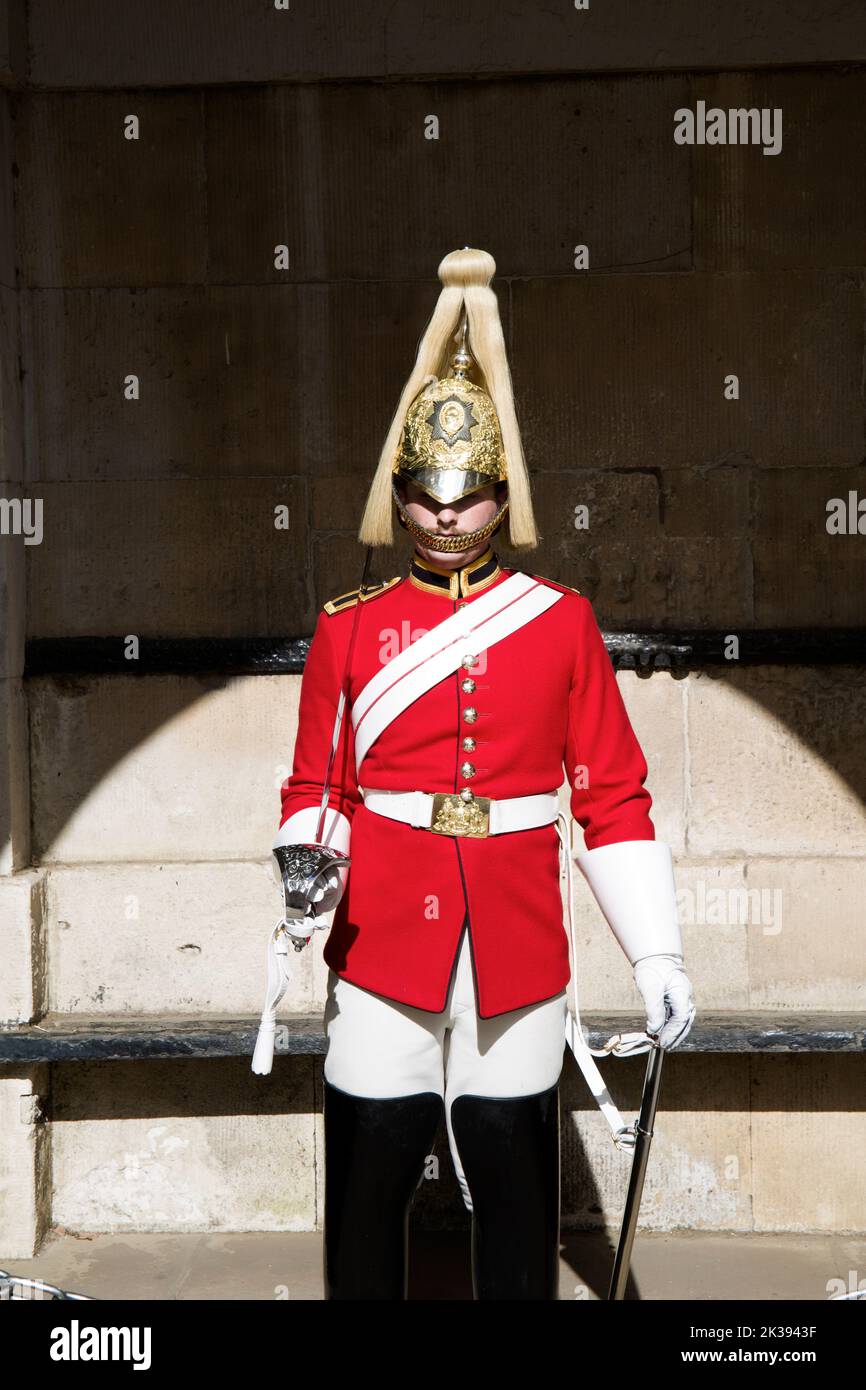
(374, 1158)
(509, 1149)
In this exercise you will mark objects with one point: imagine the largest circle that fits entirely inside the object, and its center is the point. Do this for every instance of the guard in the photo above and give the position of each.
(467, 687)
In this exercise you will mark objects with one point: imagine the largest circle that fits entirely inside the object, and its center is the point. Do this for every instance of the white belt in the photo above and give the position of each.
(478, 817)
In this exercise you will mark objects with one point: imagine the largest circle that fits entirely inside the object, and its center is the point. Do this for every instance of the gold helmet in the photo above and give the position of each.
(451, 446)
(450, 435)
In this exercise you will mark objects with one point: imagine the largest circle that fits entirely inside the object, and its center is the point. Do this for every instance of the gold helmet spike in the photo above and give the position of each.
(450, 435)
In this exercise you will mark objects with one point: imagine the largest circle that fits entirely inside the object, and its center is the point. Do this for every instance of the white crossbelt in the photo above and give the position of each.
(506, 814)
(490, 618)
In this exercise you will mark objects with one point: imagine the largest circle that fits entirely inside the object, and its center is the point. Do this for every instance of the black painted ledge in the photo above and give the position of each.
(645, 652)
(73, 1037)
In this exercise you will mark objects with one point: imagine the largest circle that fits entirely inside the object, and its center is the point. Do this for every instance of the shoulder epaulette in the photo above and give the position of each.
(342, 601)
(554, 584)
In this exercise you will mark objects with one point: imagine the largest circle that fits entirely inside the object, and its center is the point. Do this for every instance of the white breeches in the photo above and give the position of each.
(379, 1048)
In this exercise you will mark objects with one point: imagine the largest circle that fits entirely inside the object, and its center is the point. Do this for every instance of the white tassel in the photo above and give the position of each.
(278, 983)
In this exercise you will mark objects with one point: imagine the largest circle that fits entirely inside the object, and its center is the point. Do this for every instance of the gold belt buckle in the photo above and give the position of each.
(454, 816)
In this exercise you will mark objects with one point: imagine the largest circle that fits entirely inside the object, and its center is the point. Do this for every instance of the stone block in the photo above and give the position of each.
(804, 575)
(799, 207)
(643, 379)
(257, 381)
(182, 1146)
(775, 767)
(122, 45)
(168, 769)
(809, 954)
(190, 558)
(808, 1129)
(24, 1160)
(652, 549)
(98, 208)
(186, 939)
(378, 193)
(705, 504)
(22, 966)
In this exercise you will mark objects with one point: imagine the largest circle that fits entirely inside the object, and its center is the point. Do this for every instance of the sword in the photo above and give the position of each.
(643, 1132)
(635, 1137)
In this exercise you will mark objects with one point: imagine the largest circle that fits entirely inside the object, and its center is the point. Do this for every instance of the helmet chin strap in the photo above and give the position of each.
(447, 544)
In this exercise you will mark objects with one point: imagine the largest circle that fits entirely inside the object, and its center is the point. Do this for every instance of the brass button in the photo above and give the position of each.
(468, 685)
(467, 770)
(468, 744)
(467, 794)
(470, 714)
(469, 661)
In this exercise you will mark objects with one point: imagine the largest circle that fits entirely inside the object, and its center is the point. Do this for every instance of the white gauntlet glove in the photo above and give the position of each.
(665, 985)
(633, 883)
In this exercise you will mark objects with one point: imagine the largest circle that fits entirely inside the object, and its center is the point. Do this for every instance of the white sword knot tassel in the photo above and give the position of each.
(278, 983)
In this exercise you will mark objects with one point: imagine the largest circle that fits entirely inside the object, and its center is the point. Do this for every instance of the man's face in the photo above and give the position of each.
(452, 519)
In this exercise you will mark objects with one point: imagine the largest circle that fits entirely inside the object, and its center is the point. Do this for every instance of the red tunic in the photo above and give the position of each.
(548, 707)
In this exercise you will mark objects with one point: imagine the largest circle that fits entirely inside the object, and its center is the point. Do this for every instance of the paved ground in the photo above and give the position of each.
(688, 1265)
